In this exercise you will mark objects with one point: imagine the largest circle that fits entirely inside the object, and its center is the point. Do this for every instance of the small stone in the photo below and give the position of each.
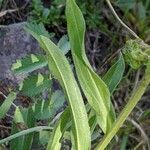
(15, 43)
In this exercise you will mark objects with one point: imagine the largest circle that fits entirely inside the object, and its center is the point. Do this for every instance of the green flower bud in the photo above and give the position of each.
(136, 53)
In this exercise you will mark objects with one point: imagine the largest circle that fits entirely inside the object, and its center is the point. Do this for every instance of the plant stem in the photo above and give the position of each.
(24, 132)
(135, 97)
(121, 22)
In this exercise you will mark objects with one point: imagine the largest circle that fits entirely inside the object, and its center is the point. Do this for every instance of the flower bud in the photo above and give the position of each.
(136, 53)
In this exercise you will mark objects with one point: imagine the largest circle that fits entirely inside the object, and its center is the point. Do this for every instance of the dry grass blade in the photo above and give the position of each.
(3, 13)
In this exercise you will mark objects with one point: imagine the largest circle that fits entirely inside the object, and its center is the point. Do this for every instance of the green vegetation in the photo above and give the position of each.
(87, 114)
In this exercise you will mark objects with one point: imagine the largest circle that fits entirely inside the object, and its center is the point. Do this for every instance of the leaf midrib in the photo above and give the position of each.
(68, 95)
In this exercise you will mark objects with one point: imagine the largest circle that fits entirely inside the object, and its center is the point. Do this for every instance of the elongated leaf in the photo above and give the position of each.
(35, 84)
(30, 121)
(60, 68)
(97, 96)
(54, 142)
(23, 118)
(6, 104)
(28, 64)
(93, 87)
(25, 132)
(126, 4)
(112, 79)
(18, 122)
(114, 74)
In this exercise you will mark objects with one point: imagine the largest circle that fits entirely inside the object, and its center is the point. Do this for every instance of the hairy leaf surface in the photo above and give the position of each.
(93, 87)
(60, 68)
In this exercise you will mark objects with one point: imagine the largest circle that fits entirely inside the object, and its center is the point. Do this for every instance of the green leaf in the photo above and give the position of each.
(25, 132)
(38, 29)
(33, 62)
(59, 129)
(141, 11)
(92, 120)
(25, 118)
(64, 44)
(132, 102)
(46, 109)
(28, 64)
(18, 116)
(124, 142)
(45, 13)
(35, 84)
(30, 121)
(61, 69)
(6, 104)
(19, 119)
(126, 4)
(92, 85)
(114, 75)
(44, 137)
